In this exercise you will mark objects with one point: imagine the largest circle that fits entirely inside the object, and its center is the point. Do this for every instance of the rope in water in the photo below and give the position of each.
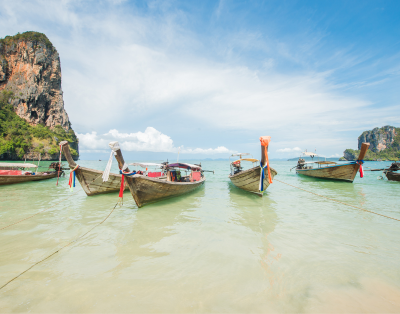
(38, 212)
(331, 199)
(47, 257)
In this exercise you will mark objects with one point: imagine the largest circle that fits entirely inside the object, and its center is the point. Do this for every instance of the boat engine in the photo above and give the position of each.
(237, 167)
(301, 164)
(57, 167)
(394, 166)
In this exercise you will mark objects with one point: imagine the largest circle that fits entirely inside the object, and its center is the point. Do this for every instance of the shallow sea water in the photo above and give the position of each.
(218, 249)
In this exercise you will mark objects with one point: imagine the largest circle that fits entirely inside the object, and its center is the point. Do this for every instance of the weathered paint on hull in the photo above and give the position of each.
(340, 172)
(4, 180)
(249, 180)
(148, 190)
(392, 176)
(92, 182)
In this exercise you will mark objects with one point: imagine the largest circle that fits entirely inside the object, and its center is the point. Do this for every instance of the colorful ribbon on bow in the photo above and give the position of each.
(262, 176)
(72, 176)
(265, 142)
(360, 162)
(122, 187)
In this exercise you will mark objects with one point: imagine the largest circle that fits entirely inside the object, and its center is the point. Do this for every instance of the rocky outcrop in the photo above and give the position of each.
(30, 80)
(350, 154)
(379, 138)
(384, 144)
(30, 68)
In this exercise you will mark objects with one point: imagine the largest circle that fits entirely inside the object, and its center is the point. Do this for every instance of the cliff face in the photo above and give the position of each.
(385, 144)
(30, 68)
(379, 138)
(30, 81)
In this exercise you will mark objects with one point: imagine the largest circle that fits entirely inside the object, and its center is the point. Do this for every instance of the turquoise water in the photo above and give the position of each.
(218, 249)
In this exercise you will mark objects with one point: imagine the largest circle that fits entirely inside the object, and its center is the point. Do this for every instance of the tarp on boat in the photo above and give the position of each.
(16, 164)
(184, 166)
(246, 159)
(146, 164)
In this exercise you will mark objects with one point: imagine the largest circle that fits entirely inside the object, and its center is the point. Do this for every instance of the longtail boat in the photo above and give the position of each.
(91, 179)
(146, 189)
(258, 178)
(332, 170)
(11, 173)
(391, 173)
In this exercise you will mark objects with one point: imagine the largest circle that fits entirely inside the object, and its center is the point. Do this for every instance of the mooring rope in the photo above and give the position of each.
(38, 212)
(331, 199)
(47, 257)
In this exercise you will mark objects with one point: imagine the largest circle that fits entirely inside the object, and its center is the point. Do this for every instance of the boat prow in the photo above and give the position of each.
(91, 179)
(255, 179)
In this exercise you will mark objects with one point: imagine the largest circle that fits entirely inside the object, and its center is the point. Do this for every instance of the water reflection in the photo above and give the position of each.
(259, 215)
(142, 237)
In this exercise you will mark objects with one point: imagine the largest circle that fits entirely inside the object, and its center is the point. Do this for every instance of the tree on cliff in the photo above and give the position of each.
(17, 136)
(32, 105)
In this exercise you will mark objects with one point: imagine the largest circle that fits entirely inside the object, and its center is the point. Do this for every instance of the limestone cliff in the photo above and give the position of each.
(384, 144)
(30, 68)
(30, 71)
(379, 138)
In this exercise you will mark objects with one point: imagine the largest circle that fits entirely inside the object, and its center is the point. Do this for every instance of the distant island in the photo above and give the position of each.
(385, 144)
(32, 116)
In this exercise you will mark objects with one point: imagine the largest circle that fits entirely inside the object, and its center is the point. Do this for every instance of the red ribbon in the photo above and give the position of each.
(361, 169)
(71, 174)
(121, 189)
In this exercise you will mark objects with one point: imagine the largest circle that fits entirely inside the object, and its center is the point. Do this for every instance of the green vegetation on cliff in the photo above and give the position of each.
(18, 137)
(387, 154)
(27, 36)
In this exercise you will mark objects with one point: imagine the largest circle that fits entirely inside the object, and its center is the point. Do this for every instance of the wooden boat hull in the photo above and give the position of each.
(249, 180)
(92, 182)
(4, 179)
(91, 179)
(345, 172)
(392, 176)
(148, 190)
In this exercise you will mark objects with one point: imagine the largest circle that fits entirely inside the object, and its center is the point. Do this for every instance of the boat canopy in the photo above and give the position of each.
(146, 164)
(246, 159)
(184, 166)
(15, 164)
(321, 162)
(310, 154)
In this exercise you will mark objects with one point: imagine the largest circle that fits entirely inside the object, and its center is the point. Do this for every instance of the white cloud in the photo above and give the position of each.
(151, 140)
(121, 65)
(289, 150)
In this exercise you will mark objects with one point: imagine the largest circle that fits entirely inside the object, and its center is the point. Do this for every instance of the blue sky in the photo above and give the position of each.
(212, 76)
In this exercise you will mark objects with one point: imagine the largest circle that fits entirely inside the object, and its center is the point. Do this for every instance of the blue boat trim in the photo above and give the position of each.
(351, 163)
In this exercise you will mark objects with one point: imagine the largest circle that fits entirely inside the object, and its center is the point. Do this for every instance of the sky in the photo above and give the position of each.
(208, 78)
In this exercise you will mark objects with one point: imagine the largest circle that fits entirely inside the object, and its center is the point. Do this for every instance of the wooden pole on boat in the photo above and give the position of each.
(263, 157)
(67, 154)
(120, 159)
(363, 152)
